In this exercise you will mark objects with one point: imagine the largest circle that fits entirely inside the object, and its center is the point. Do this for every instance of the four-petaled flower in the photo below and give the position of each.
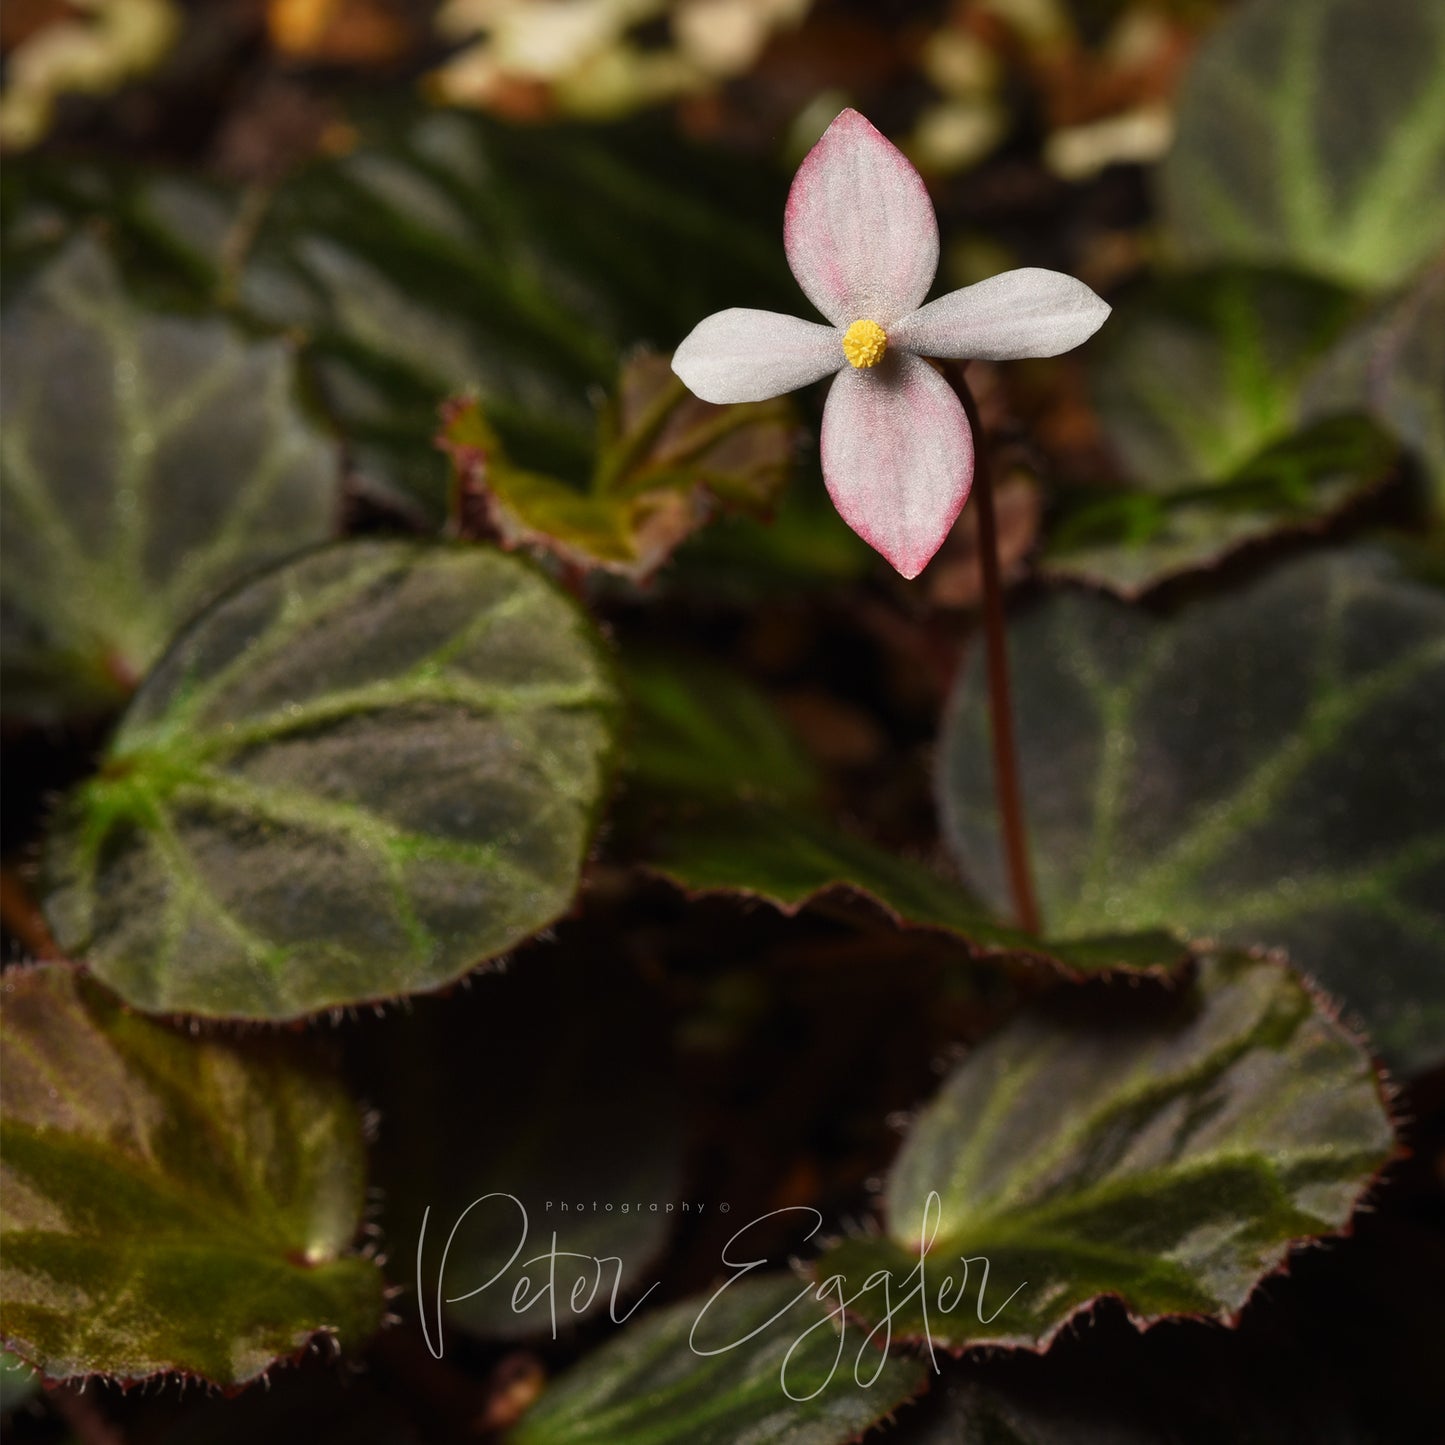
(862, 241)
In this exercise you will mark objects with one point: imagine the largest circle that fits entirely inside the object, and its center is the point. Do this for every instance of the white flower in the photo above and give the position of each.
(862, 240)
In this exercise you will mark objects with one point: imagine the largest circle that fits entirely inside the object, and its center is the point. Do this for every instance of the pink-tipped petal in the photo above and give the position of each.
(1029, 312)
(897, 457)
(860, 231)
(742, 355)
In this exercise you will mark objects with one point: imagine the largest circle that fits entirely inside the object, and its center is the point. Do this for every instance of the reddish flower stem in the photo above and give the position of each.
(1000, 698)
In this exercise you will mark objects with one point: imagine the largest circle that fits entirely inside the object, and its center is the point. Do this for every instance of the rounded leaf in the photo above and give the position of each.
(1312, 134)
(357, 777)
(148, 461)
(1262, 767)
(1169, 1160)
(1197, 374)
(1393, 365)
(171, 1203)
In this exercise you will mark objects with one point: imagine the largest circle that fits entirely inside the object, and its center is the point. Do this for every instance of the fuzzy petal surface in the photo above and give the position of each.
(745, 355)
(860, 232)
(1029, 312)
(897, 457)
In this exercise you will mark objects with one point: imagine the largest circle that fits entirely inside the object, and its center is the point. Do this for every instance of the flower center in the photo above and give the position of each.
(865, 343)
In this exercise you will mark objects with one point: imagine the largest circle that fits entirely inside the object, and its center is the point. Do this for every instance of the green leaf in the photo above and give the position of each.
(1311, 133)
(1393, 365)
(1168, 1161)
(583, 1131)
(1194, 375)
(653, 1385)
(149, 460)
(665, 461)
(172, 1203)
(791, 856)
(1289, 1371)
(747, 562)
(724, 800)
(452, 252)
(357, 777)
(1130, 542)
(170, 230)
(704, 731)
(1257, 767)
(1198, 384)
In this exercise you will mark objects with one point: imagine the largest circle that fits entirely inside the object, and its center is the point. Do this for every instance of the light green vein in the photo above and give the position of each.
(296, 613)
(1372, 884)
(265, 957)
(1322, 725)
(449, 690)
(1400, 189)
(1298, 176)
(1115, 704)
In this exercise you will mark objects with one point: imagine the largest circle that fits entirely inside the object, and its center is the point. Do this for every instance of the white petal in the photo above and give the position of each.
(897, 457)
(1029, 312)
(742, 355)
(860, 231)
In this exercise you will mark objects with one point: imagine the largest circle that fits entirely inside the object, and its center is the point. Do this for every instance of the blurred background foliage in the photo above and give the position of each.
(316, 309)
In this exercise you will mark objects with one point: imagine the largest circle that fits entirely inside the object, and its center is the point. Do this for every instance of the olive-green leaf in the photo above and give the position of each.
(577, 1134)
(791, 857)
(172, 231)
(1392, 364)
(666, 462)
(1311, 133)
(1260, 766)
(1287, 1373)
(724, 799)
(356, 777)
(1167, 1155)
(701, 730)
(148, 460)
(450, 252)
(1196, 374)
(804, 546)
(1198, 384)
(692, 1375)
(1132, 541)
(171, 1203)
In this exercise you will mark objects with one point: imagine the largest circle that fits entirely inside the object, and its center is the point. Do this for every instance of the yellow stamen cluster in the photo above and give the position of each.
(865, 343)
